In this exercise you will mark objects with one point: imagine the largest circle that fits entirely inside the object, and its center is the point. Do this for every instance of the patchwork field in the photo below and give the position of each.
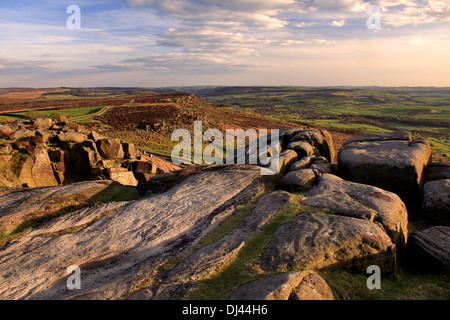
(423, 111)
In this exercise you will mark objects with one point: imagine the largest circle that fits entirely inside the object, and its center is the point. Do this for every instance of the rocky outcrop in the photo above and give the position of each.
(121, 247)
(319, 139)
(302, 285)
(316, 240)
(391, 161)
(198, 225)
(361, 201)
(43, 153)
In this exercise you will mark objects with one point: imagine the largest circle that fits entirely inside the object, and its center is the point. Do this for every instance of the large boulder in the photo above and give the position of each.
(80, 161)
(43, 123)
(317, 240)
(322, 165)
(429, 249)
(390, 161)
(72, 136)
(143, 170)
(436, 201)
(297, 181)
(42, 171)
(303, 163)
(286, 159)
(5, 131)
(110, 149)
(361, 201)
(21, 134)
(122, 176)
(21, 167)
(302, 285)
(302, 148)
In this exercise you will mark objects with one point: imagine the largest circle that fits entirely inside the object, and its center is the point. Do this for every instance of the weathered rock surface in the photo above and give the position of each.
(303, 285)
(318, 240)
(75, 219)
(429, 249)
(5, 131)
(20, 204)
(122, 176)
(361, 201)
(436, 201)
(302, 148)
(388, 162)
(302, 163)
(321, 164)
(297, 181)
(43, 123)
(72, 136)
(42, 171)
(211, 258)
(20, 134)
(320, 139)
(110, 149)
(382, 136)
(119, 249)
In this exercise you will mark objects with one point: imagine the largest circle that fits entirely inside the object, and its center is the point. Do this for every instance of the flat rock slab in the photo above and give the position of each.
(436, 201)
(114, 252)
(393, 165)
(302, 285)
(383, 136)
(211, 258)
(362, 201)
(315, 241)
(429, 249)
(23, 203)
(75, 219)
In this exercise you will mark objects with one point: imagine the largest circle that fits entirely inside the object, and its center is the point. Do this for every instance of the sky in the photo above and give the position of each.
(160, 43)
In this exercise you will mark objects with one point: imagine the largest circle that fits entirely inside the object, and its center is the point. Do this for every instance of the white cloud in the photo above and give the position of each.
(339, 23)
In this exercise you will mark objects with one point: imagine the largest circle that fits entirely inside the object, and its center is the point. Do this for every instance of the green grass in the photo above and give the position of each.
(404, 285)
(47, 113)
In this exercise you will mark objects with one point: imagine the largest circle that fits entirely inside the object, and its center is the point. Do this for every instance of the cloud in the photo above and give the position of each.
(339, 23)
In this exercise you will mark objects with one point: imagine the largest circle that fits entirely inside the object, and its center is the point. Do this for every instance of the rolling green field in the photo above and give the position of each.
(423, 111)
(69, 113)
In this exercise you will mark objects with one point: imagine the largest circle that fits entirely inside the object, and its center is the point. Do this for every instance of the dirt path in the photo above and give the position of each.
(92, 115)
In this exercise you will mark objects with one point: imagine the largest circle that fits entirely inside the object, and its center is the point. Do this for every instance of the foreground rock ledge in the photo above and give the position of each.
(361, 201)
(317, 240)
(114, 252)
